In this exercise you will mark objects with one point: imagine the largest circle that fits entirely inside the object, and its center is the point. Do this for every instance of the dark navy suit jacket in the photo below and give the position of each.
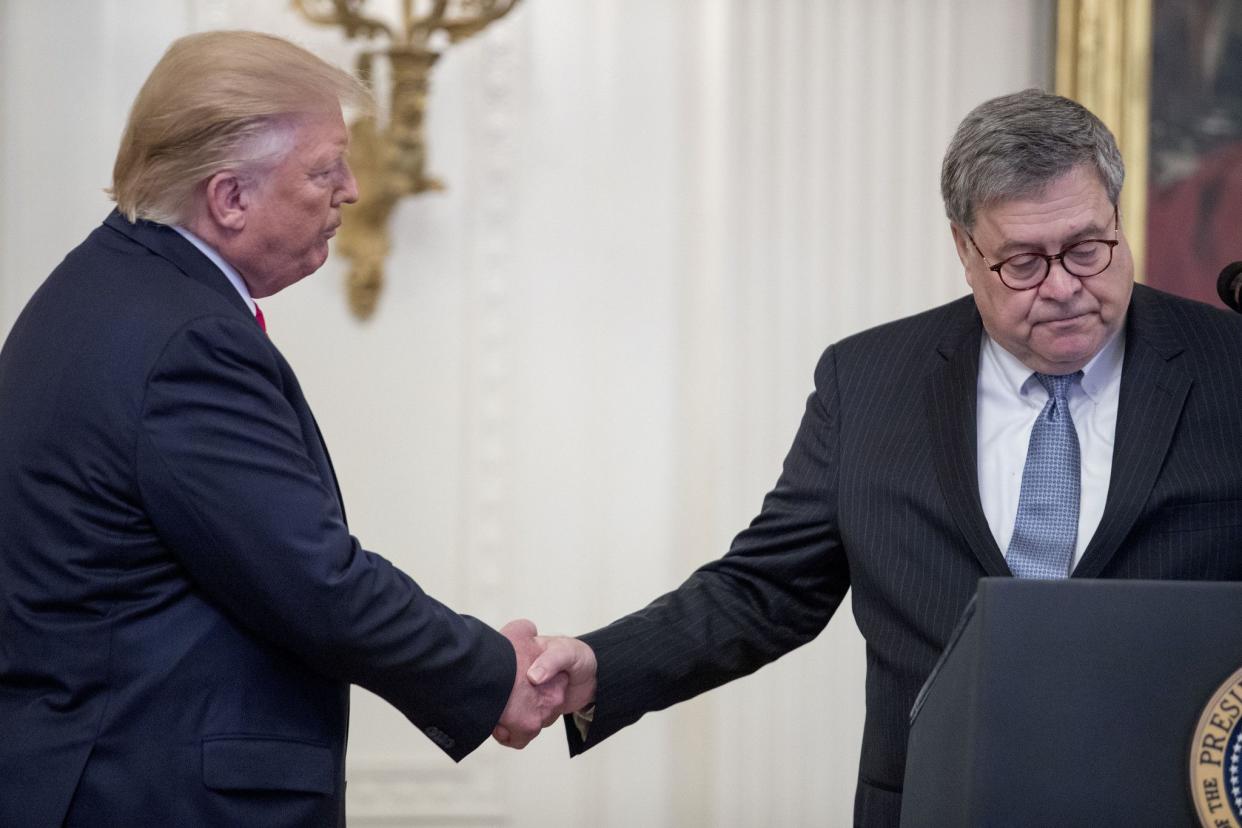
(879, 495)
(182, 608)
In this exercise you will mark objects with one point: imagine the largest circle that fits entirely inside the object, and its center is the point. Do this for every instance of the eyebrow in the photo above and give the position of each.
(325, 160)
(1091, 231)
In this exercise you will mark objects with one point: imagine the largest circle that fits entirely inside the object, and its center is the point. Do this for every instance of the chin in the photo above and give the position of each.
(313, 263)
(321, 256)
(1069, 361)
(1070, 346)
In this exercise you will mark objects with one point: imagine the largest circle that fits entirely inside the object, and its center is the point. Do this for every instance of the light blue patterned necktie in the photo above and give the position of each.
(1046, 529)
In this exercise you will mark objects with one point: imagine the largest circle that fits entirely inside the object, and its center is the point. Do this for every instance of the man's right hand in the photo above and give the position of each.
(559, 678)
(568, 657)
(531, 706)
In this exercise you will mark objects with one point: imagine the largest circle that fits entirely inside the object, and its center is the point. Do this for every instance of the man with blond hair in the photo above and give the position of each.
(182, 607)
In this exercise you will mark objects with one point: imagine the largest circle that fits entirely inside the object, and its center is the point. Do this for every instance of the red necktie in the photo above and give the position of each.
(258, 315)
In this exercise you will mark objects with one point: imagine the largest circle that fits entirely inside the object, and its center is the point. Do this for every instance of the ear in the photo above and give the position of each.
(226, 200)
(962, 243)
(965, 251)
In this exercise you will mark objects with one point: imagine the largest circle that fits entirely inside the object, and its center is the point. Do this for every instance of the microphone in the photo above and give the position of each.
(1229, 285)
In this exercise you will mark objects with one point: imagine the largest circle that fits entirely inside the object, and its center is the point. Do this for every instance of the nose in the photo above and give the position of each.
(1060, 284)
(347, 193)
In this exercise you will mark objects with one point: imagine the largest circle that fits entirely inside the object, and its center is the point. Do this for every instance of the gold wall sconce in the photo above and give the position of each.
(1104, 62)
(390, 160)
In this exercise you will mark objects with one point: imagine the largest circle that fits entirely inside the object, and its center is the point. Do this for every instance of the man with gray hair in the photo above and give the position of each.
(1059, 422)
(182, 607)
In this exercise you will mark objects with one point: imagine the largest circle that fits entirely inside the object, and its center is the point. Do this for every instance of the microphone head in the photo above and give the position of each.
(1228, 284)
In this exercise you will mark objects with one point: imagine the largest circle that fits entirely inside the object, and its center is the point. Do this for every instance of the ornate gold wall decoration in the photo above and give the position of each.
(390, 160)
(1104, 63)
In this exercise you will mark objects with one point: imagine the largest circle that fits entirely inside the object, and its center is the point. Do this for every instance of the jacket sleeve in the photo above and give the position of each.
(774, 591)
(230, 488)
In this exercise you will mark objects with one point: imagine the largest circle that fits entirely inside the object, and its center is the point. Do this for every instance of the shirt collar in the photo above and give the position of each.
(1103, 369)
(229, 271)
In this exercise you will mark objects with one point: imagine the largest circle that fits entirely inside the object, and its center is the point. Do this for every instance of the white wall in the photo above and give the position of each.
(594, 348)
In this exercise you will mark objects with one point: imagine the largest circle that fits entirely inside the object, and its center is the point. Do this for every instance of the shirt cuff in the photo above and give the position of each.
(583, 719)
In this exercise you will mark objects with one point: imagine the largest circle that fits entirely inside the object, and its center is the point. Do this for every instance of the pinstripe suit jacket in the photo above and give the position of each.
(879, 494)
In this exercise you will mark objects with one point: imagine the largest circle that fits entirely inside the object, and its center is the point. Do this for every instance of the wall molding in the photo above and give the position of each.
(408, 793)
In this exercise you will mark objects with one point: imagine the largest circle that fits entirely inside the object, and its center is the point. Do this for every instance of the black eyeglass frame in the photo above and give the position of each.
(1048, 259)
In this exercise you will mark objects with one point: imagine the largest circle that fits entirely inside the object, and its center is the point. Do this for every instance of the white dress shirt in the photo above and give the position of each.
(1010, 399)
(234, 277)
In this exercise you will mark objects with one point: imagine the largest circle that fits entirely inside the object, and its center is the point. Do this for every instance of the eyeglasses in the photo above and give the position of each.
(1027, 270)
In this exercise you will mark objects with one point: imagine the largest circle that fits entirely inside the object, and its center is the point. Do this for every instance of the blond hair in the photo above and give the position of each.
(216, 101)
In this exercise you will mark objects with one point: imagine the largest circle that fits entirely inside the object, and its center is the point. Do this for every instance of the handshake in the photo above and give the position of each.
(555, 676)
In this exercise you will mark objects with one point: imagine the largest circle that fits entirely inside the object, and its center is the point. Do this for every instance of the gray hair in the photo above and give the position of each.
(1016, 145)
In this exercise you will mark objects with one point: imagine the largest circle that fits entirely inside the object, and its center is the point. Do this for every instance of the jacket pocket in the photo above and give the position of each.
(250, 763)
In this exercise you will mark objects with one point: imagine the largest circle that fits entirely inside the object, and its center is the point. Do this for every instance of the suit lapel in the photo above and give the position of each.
(1153, 392)
(316, 448)
(950, 398)
(326, 466)
(167, 243)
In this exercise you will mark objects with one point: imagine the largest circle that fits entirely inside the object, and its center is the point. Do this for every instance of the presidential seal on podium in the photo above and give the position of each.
(1216, 758)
